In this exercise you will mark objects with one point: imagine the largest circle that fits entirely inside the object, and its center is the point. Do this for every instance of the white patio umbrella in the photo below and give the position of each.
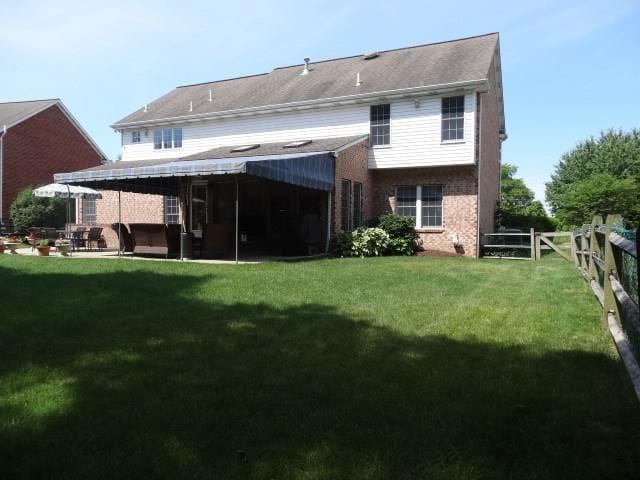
(60, 190)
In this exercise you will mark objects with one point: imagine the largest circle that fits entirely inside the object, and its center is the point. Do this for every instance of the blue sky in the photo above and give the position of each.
(570, 69)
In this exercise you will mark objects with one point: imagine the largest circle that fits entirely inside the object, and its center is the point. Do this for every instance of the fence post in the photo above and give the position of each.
(538, 247)
(609, 303)
(532, 242)
(584, 245)
(574, 250)
(594, 248)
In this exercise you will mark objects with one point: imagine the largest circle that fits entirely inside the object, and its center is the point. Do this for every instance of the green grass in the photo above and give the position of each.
(399, 368)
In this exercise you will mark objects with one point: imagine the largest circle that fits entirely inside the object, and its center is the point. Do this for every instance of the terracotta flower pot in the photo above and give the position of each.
(43, 251)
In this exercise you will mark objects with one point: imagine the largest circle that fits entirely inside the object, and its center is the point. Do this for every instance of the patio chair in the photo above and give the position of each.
(94, 237)
(78, 238)
(149, 239)
(126, 240)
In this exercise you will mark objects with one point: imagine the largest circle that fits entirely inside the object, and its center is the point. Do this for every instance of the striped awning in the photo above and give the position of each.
(312, 170)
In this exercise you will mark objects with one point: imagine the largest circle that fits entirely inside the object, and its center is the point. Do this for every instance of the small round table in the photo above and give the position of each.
(12, 246)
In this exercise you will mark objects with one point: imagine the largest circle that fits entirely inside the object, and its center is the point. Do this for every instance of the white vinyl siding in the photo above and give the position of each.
(416, 139)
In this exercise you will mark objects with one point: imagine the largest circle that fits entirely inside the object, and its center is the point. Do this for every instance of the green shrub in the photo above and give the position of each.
(400, 246)
(369, 242)
(29, 211)
(342, 244)
(399, 227)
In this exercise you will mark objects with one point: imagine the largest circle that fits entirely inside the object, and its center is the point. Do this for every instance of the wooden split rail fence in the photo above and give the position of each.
(526, 245)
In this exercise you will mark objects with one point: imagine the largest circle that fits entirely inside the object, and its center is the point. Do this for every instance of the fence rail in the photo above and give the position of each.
(607, 255)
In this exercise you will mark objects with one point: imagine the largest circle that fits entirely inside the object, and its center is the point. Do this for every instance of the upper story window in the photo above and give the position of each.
(167, 138)
(423, 202)
(135, 136)
(453, 118)
(380, 124)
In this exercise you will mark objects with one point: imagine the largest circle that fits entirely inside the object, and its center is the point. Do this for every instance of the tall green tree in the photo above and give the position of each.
(597, 177)
(518, 207)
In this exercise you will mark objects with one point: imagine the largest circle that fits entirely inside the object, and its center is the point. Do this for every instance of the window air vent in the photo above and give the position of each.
(297, 144)
(244, 148)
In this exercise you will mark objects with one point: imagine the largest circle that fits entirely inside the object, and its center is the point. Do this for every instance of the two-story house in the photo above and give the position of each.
(318, 148)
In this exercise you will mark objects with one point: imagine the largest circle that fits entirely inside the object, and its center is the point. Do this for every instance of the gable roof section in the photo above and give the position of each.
(14, 113)
(449, 64)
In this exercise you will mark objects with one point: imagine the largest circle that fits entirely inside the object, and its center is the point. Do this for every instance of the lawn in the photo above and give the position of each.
(399, 368)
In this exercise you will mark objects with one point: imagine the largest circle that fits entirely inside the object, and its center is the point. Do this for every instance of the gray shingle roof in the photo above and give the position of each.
(443, 63)
(320, 145)
(15, 112)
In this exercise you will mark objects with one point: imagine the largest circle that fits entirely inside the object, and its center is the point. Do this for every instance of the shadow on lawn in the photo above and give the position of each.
(139, 380)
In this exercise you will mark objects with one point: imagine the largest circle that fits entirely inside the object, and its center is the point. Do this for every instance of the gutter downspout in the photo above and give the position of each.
(479, 110)
(2, 132)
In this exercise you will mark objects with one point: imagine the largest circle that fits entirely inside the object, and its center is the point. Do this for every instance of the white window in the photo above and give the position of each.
(380, 118)
(89, 215)
(167, 138)
(453, 118)
(171, 210)
(135, 136)
(423, 202)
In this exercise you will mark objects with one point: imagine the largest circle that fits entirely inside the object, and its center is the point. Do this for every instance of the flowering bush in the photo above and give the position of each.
(369, 242)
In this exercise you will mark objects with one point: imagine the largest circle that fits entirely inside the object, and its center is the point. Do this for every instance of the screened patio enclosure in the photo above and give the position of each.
(236, 206)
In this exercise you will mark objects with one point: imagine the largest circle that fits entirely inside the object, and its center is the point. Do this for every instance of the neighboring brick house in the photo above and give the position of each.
(430, 120)
(37, 139)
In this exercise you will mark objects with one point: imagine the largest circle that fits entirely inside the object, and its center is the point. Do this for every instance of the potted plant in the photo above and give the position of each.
(63, 246)
(43, 247)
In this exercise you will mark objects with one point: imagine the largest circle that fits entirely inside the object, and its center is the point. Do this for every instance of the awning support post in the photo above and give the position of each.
(326, 247)
(237, 215)
(119, 224)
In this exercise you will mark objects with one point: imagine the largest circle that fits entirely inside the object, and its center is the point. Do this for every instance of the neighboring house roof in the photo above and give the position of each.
(14, 113)
(450, 64)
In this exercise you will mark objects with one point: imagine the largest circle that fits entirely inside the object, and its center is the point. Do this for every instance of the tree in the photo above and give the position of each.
(29, 211)
(518, 207)
(599, 176)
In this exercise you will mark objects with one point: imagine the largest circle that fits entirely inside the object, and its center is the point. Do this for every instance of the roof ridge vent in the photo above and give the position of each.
(306, 66)
(371, 55)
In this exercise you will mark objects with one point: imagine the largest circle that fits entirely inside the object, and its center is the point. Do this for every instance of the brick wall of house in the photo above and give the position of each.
(42, 145)
(489, 163)
(352, 164)
(459, 187)
(135, 208)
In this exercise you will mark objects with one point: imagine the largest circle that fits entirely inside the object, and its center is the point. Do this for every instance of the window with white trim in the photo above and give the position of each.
(380, 124)
(164, 138)
(171, 210)
(89, 214)
(422, 202)
(135, 136)
(453, 118)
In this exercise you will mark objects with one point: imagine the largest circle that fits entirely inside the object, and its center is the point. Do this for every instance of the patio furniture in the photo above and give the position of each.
(149, 239)
(94, 237)
(126, 240)
(215, 239)
(78, 238)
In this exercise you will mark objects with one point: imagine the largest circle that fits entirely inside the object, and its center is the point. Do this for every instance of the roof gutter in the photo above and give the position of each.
(479, 84)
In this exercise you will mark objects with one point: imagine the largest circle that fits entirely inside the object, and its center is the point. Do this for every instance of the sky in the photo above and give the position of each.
(570, 69)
